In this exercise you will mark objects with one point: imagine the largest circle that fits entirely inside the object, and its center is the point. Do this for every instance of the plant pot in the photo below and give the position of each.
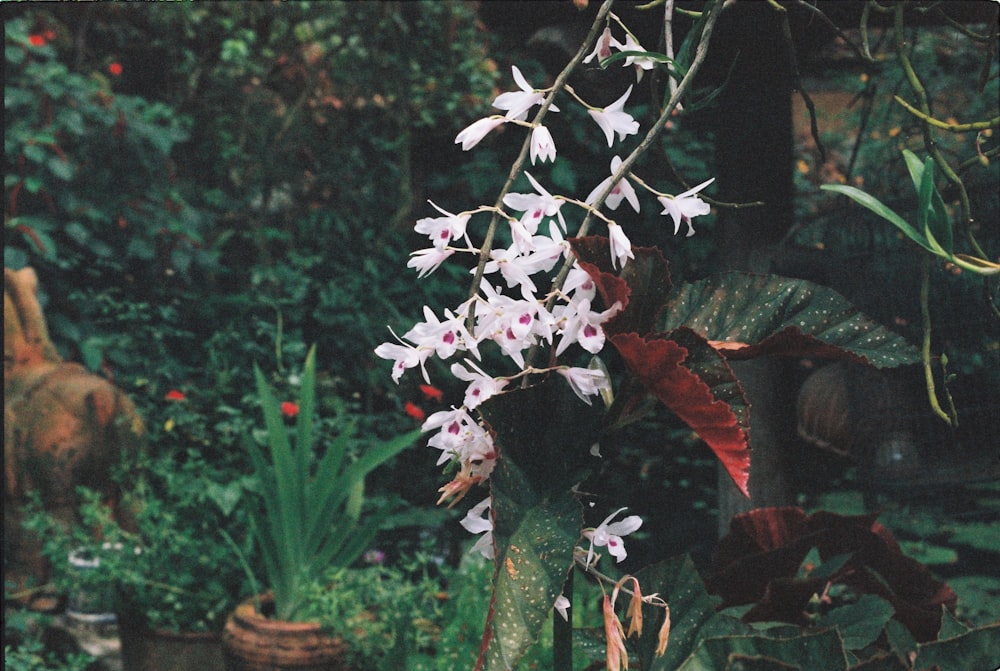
(89, 603)
(145, 649)
(251, 641)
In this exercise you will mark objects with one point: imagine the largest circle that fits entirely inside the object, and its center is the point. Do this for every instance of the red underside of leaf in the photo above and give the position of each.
(658, 364)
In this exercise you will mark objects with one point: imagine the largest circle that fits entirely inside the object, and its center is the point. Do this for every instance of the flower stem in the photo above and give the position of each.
(562, 632)
(700, 53)
(518, 166)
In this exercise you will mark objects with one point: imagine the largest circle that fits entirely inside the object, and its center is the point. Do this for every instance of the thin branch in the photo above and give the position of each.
(930, 143)
(862, 52)
(944, 125)
(515, 171)
(700, 53)
(786, 32)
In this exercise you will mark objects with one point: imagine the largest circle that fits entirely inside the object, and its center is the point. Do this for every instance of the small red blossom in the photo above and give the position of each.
(414, 411)
(37, 40)
(174, 395)
(431, 393)
(289, 409)
(115, 69)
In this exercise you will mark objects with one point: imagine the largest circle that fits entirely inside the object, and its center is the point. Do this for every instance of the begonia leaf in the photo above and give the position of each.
(543, 436)
(674, 374)
(693, 613)
(643, 285)
(758, 563)
(747, 315)
(975, 649)
(808, 652)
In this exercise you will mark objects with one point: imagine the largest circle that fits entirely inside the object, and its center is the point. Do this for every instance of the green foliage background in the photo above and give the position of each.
(247, 185)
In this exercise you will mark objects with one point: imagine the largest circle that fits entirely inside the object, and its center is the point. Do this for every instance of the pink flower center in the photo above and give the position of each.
(448, 337)
(589, 331)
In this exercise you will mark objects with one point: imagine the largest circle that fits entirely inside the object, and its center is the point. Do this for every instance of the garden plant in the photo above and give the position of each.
(534, 435)
(205, 188)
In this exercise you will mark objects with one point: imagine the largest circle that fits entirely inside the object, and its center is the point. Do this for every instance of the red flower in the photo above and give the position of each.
(289, 409)
(115, 69)
(432, 393)
(414, 411)
(37, 40)
(174, 395)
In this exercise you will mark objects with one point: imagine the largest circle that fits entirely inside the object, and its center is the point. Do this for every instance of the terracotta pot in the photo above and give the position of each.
(145, 649)
(253, 642)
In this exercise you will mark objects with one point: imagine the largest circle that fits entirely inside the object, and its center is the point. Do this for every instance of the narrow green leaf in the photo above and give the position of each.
(288, 492)
(340, 487)
(932, 216)
(875, 205)
(915, 167)
(304, 420)
(924, 192)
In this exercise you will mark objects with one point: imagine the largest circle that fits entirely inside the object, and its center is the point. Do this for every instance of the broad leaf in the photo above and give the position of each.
(688, 376)
(693, 615)
(642, 286)
(747, 315)
(821, 650)
(759, 562)
(543, 436)
(672, 374)
(859, 623)
(976, 649)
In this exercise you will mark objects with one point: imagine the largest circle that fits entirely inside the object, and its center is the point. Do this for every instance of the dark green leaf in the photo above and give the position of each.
(543, 437)
(748, 315)
(693, 613)
(972, 651)
(859, 623)
(809, 652)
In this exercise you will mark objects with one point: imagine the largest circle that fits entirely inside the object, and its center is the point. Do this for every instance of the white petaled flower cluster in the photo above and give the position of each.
(516, 308)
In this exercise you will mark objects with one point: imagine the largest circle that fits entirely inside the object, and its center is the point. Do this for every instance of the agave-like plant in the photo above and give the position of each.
(312, 500)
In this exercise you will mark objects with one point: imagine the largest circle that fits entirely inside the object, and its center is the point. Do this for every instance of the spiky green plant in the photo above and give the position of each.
(311, 517)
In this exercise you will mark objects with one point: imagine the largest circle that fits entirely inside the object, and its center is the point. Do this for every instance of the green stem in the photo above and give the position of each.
(929, 141)
(925, 349)
(944, 125)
